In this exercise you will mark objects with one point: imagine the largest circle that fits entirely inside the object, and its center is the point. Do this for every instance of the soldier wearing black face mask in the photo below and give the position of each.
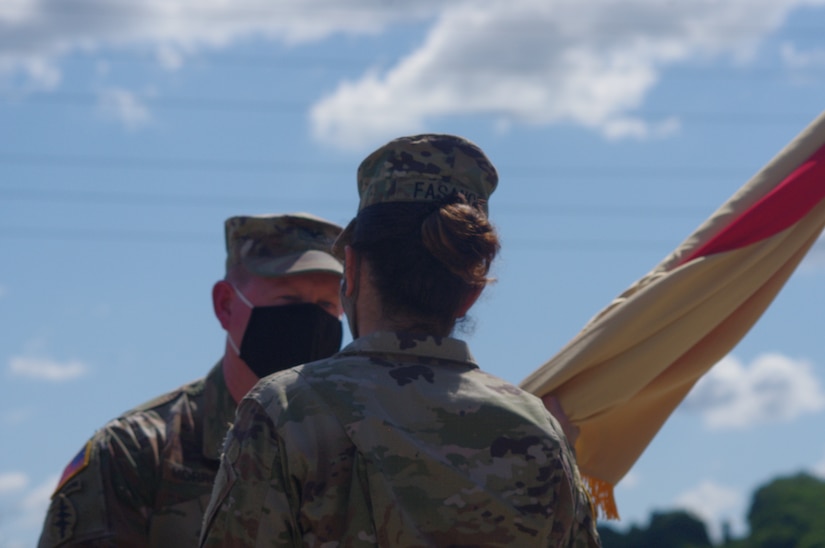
(144, 479)
(280, 336)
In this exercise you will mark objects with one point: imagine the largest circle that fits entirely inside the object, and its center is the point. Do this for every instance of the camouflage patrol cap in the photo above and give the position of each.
(426, 168)
(281, 245)
(423, 168)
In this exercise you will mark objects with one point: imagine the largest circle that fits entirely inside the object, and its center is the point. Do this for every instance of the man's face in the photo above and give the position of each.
(319, 288)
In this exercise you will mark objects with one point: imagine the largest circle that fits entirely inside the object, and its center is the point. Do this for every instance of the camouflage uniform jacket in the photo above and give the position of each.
(397, 440)
(145, 478)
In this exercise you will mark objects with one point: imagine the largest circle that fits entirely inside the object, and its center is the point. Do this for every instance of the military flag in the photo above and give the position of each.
(624, 373)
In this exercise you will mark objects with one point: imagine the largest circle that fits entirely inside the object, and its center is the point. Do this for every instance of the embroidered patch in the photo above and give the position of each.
(78, 463)
(63, 519)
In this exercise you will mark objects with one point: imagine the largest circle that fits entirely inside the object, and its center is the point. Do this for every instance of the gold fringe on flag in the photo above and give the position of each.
(621, 377)
(601, 496)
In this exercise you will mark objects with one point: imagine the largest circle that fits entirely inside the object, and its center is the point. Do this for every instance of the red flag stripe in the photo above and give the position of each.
(781, 208)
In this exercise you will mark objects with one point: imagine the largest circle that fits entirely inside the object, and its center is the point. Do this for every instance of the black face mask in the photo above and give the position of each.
(280, 337)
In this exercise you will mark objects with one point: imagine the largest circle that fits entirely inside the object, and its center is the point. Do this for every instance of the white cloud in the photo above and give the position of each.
(814, 261)
(622, 128)
(169, 57)
(797, 59)
(23, 510)
(125, 107)
(819, 468)
(12, 481)
(24, 519)
(35, 32)
(535, 62)
(15, 417)
(715, 504)
(631, 480)
(34, 504)
(46, 369)
(774, 388)
(15, 12)
(585, 62)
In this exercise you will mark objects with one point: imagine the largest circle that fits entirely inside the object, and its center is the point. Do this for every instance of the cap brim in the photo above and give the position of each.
(297, 263)
(343, 240)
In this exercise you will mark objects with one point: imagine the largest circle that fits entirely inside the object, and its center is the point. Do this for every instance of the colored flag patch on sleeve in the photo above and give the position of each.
(78, 463)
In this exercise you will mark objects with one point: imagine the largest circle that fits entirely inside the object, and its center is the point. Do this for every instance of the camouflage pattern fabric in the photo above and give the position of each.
(426, 168)
(281, 245)
(422, 168)
(147, 475)
(398, 440)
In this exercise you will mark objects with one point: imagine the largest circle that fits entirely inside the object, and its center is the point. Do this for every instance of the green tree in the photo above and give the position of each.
(678, 529)
(788, 513)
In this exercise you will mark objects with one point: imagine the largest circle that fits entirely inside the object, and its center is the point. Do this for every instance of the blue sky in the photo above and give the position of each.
(129, 132)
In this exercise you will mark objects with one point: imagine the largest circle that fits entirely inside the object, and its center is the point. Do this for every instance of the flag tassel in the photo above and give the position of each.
(601, 496)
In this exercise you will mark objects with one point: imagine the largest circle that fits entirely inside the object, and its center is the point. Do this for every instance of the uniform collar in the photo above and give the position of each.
(413, 344)
(218, 412)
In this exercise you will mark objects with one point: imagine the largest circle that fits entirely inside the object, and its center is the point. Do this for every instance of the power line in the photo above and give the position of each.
(255, 106)
(158, 163)
(48, 160)
(92, 99)
(103, 235)
(63, 234)
(306, 62)
(261, 10)
(97, 197)
(242, 61)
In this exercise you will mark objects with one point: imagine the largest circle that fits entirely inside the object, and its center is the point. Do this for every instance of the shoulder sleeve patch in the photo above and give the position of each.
(78, 463)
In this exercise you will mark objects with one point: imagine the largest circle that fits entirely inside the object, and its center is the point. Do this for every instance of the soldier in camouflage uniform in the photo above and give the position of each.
(400, 439)
(144, 479)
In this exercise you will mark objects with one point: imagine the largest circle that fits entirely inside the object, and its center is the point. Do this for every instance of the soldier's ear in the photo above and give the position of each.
(350, 271)
(221, 302)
